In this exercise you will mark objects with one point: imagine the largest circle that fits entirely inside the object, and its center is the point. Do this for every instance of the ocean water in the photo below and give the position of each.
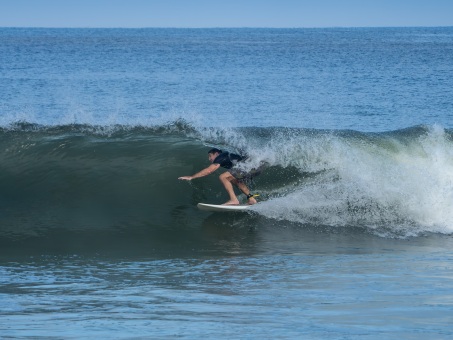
(352, 236)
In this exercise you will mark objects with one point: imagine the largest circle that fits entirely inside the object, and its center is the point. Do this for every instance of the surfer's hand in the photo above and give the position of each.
(185, 178)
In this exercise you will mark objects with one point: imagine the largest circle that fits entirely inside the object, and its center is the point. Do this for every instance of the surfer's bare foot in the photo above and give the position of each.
(231, 202)
(251, 201)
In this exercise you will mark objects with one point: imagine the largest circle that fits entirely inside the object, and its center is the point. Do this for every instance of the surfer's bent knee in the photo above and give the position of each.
(225, 175)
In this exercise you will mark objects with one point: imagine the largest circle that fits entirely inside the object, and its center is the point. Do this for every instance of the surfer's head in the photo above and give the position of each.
(213, 153)
(214, 150)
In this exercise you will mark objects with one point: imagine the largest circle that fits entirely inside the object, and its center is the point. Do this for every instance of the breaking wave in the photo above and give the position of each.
(396, 183)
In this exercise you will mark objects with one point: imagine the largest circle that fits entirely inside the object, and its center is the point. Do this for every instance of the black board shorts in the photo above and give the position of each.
(242, 175)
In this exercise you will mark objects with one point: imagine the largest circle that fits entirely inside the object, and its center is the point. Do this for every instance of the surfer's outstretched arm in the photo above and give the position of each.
(207, 171)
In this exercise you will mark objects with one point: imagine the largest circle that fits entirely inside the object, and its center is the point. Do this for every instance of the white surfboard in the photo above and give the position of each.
(222, 208)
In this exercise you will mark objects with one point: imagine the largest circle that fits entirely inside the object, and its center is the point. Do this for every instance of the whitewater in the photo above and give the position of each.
(352, 235)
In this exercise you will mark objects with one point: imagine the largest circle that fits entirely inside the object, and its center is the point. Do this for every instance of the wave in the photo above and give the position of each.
(396, 183)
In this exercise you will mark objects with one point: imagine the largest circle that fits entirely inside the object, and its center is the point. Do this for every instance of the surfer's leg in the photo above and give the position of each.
(246, 191)
(226, 178)
(239, 179)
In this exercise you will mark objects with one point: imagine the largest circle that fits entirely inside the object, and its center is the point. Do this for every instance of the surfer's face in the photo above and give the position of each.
(212, 156)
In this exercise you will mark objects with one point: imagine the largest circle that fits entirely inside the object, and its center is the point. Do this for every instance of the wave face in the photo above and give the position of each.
(79, 177)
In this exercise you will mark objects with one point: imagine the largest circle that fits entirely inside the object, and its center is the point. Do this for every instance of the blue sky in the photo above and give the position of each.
(225, 13)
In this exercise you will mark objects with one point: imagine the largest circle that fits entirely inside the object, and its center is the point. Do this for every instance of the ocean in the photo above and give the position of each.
(352, 235)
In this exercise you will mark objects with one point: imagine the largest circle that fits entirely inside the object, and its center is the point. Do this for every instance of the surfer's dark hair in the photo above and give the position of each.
(214, 150)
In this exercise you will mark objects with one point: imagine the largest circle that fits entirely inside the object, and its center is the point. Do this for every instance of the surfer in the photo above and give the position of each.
(235, 176)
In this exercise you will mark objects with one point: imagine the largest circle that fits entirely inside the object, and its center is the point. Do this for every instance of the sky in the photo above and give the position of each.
(225, 13)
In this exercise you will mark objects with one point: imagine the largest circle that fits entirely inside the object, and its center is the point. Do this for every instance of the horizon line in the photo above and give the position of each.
(224, 27)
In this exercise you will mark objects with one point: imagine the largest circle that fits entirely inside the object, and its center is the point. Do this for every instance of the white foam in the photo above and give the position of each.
(405, 185)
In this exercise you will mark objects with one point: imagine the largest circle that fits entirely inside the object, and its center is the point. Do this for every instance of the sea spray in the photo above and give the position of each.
(401, 181)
